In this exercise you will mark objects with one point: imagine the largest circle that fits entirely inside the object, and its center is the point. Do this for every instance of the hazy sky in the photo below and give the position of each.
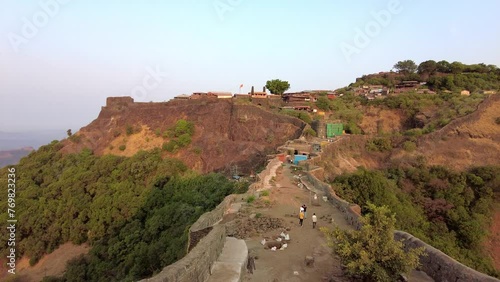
(59, 60)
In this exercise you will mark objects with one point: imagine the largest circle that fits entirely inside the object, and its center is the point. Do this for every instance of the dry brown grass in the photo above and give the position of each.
(492, 243)
(53, 264)
(144, 140)
(473, 140)
(377, 120)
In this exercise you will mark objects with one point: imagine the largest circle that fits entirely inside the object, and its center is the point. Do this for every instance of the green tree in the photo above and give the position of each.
(323, 103)
(309, 132)
(443, 66)
(492, 68)
(406, 67)
(428, 67)
(457, 67)
(184, 140)
(409, 146)
(183, 127)
(352, 128)
(371, 253)
(277, 86)
(449, 83)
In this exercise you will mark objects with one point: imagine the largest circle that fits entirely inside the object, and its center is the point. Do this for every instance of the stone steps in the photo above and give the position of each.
(231, 264)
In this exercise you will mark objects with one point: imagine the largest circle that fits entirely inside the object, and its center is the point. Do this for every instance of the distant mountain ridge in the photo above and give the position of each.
(29, 138)
(12, 157)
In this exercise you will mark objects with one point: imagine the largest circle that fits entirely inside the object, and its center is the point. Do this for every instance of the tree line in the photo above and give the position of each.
(449, 210)
(134, 212)
(440, 76)
(349, 109)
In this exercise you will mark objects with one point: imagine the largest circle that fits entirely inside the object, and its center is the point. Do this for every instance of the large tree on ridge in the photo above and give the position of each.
(406, 67)
(277, 86)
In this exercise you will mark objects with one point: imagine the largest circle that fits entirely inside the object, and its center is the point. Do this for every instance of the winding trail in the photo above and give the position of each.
(285, 198)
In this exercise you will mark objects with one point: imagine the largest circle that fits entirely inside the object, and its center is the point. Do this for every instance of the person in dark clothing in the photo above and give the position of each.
(251, 264)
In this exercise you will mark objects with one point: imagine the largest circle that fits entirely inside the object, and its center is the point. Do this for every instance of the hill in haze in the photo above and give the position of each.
(30, 138)
(12, 157)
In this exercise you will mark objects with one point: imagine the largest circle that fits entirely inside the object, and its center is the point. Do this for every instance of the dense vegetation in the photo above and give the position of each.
(347, 110)
(468, 81)
(157, 235)
(424, 113)
(134, 212)
(443, 108)
(304, 116)
(440, 75)
(372, 253)
(449, 210)
(180, 135)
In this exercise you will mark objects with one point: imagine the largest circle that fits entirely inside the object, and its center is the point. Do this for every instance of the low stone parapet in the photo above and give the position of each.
(196, 265)
(231, 264)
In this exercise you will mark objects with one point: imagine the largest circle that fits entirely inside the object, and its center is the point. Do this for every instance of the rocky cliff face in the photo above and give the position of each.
(226, 135)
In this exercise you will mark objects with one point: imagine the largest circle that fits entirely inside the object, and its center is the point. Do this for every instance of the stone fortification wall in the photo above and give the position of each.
(196, 265)
(435, 263)
(439, 266)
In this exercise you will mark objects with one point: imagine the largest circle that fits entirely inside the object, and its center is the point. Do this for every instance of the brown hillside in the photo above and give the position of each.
(473, 140)
(378, 120)
(346, 155)
(225, 134)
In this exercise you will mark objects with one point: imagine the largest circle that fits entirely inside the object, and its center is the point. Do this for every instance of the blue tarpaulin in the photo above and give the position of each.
(298, 158)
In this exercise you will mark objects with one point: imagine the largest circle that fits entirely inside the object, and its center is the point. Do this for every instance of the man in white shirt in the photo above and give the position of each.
(314, 220)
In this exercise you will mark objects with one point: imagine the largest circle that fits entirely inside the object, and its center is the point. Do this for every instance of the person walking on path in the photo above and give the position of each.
(251, 265)
(305, 210)
(314, 219)
(301, 218)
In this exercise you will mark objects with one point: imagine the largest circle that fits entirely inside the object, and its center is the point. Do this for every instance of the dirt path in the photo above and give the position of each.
(285, 198)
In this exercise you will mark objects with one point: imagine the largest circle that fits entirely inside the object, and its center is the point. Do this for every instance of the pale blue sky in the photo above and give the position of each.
(59, 75)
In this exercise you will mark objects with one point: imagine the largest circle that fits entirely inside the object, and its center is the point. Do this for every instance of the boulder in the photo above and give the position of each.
(309, 260)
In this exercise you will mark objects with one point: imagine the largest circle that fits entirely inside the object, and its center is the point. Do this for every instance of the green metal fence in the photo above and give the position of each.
(334, 129)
